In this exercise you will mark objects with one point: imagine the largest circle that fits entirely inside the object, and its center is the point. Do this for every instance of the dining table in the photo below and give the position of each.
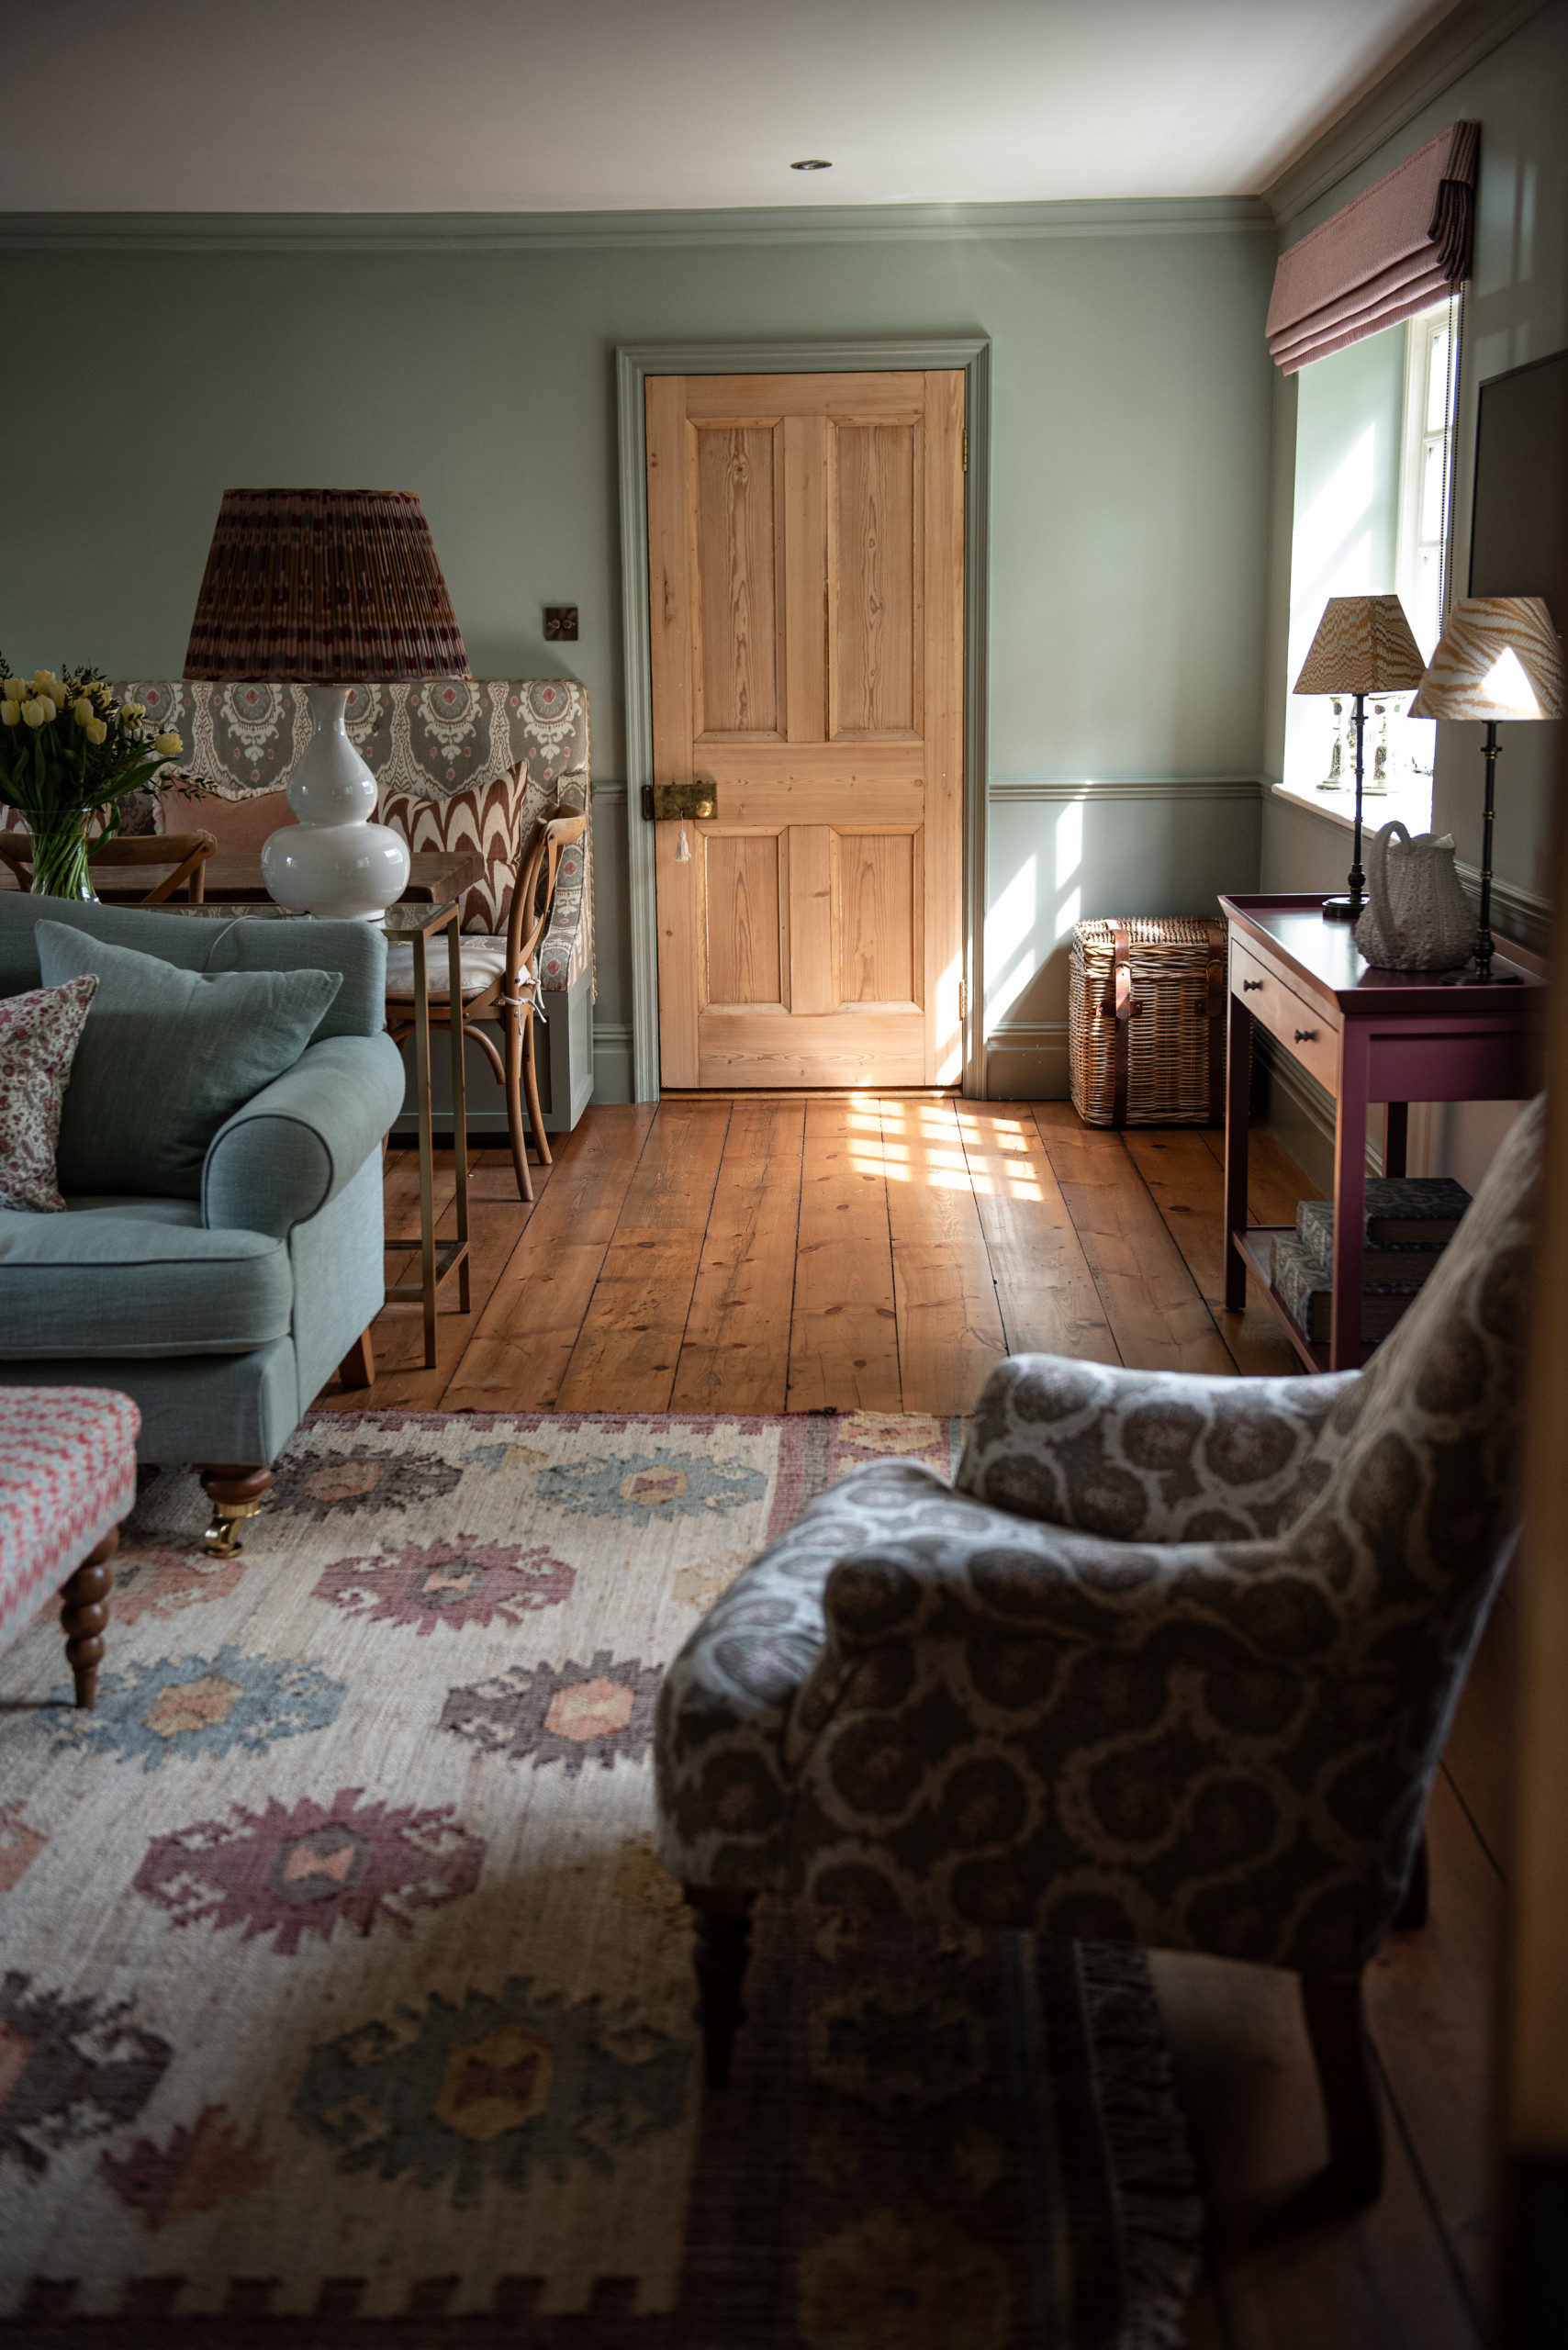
(236, 878)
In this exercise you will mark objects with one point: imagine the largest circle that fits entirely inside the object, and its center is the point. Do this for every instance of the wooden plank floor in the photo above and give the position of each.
(881, 1255)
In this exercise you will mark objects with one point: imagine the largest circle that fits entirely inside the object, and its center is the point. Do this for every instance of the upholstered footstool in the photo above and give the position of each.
(67, 1478)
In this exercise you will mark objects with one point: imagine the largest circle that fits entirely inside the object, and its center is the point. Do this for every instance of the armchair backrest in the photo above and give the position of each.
(1412, 1525)
(202, 942)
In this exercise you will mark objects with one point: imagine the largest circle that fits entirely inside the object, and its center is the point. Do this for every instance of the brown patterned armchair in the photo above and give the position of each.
(1172, 1663)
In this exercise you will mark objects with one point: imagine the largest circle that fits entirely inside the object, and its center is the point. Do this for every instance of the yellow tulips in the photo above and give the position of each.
(169, 744)
(36, 712)
(10, 711)
(82, 712)
(96, 731)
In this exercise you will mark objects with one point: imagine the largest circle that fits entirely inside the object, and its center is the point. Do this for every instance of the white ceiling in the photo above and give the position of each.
(481, 105)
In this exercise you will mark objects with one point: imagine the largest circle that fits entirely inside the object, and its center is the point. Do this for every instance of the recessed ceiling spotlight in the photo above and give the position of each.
(812, 163)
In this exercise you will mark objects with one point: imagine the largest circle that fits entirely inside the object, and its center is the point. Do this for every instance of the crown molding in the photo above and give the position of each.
(551, 231)
(1461, 40)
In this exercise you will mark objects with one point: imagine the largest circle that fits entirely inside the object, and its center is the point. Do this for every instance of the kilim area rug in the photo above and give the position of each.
(344, 2001)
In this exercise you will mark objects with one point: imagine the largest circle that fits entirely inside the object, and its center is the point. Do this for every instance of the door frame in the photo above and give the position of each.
(633, 364)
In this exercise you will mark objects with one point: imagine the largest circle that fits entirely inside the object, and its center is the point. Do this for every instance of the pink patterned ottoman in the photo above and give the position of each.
(67, 1477)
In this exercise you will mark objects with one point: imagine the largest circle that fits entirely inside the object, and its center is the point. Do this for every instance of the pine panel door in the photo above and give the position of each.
(805, 556)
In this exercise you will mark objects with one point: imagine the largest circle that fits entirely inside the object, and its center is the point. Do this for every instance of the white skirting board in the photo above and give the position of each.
(563, 1049)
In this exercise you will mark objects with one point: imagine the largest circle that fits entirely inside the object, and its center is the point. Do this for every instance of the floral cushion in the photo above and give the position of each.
(39, 1031)
(1071, 1712)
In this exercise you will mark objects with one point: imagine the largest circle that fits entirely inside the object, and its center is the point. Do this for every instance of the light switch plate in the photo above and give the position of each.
(560, 623)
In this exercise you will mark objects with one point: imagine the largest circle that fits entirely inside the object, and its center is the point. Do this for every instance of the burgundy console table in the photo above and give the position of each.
(1367, 1035)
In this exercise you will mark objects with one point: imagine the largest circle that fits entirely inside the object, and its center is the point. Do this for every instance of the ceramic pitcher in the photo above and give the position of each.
(1418, 918)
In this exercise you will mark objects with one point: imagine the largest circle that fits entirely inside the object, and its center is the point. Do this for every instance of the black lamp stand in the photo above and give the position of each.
(1349, 909)
(1483, 975)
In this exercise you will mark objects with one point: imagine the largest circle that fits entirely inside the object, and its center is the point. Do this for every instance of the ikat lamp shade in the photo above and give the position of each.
(1363, 645)
(323, 587)
(1498, 656)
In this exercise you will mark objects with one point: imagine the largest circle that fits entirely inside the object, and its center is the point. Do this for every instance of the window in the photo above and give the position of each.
(1374, 437)
(1424, 488)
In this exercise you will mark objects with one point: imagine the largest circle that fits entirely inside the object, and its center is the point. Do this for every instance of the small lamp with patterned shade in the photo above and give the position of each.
(1498, 656)
(326, 587)
(1363, 646)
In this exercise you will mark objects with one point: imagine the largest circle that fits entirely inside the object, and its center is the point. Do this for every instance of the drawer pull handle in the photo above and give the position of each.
(1247, 986)
(1306, 1035)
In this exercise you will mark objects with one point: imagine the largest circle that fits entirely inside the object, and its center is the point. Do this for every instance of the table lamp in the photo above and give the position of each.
(326, 587)
(1363, 646)
(1498, 656)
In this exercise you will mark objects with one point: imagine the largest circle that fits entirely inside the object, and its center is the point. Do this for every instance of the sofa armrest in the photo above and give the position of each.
(296, 1144)
(1146, 1456)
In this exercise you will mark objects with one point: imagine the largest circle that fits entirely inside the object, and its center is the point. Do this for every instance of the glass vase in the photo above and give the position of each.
(59, 853)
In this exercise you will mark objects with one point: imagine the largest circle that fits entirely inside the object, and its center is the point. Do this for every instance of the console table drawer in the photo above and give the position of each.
(1309, 1035)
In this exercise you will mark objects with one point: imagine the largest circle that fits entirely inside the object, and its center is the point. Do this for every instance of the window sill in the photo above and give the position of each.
(1410, 808)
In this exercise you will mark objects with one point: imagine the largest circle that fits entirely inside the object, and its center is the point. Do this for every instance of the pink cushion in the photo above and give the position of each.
(67, 1475)
(239, 826)
(39, 1031)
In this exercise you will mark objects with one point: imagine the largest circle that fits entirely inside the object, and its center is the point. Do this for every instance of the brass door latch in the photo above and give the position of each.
(667, 803)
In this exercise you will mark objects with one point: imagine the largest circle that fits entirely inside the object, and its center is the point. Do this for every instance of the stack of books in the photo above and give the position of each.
(1410, 1219)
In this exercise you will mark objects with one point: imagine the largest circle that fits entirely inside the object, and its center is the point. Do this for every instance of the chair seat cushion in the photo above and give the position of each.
(136, 1277)
(483, 962)
(67, 1475)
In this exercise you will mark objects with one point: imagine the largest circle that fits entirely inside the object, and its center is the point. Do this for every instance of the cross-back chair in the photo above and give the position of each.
(187, 852)
(501, 986)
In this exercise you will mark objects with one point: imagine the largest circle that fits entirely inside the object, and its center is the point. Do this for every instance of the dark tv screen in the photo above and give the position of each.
(1519, 540)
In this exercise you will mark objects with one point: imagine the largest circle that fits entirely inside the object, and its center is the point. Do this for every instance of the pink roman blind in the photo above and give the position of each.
(1400, 246)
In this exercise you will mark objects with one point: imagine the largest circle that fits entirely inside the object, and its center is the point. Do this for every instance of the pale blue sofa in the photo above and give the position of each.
(221, 1316)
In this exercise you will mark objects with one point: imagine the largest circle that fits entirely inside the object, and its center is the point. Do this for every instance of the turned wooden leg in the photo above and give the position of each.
(235, 1495)
(722, 1923)
(1418, 1898)
(357, 1368)
(512, 1035)
(1337, 2028)
(531, 1086)
(85, 1612)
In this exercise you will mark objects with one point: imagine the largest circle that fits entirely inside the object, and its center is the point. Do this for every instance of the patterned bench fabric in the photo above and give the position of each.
(67, 1475)
(427, 741)
(920, 1701)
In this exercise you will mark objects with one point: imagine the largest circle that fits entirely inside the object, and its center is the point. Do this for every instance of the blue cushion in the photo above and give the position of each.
(165, 1058)
(136, 1277)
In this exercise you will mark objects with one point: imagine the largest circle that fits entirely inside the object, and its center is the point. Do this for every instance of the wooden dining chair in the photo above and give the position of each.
(501, 986)
(187, 852)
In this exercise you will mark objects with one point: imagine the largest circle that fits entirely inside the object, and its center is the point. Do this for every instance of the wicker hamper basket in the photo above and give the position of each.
(1146, 1023)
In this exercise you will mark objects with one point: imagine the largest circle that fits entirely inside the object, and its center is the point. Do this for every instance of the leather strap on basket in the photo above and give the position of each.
(1218, 1006)
(1122, 1003)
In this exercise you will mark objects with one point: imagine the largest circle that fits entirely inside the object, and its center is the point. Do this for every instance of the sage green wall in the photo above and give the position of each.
(1130, 450)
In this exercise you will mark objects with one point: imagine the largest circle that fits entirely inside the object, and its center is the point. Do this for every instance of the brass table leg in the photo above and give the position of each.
(459, 1102)
(426, 1147)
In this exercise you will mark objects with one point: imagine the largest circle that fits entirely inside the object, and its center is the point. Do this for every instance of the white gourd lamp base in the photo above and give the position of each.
(333, 862)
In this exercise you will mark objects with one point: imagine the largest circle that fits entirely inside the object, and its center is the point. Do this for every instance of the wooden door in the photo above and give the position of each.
(805, 554)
